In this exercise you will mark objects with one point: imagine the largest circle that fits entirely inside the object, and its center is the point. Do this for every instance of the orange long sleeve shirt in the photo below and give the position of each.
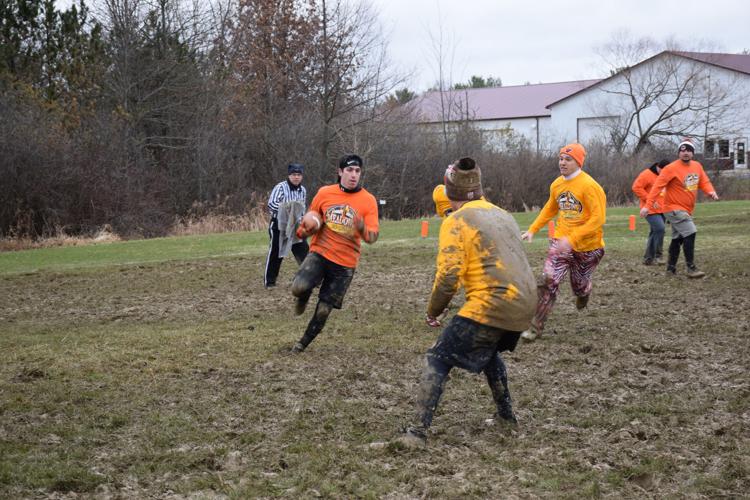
(680, 182)
(642, 187)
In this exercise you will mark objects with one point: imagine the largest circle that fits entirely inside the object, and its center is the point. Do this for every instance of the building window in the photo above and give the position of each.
(716, 148)
(709, 151)
(723, 148)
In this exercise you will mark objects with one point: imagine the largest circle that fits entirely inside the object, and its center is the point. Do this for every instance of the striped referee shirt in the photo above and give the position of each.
(283, 192)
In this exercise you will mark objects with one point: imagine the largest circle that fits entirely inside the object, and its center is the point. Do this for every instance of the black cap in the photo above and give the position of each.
(295, 168)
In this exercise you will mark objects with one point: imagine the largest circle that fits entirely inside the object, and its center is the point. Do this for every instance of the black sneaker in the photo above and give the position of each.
(694, 273)
(671, 270)
(413, 437)
(648, 262)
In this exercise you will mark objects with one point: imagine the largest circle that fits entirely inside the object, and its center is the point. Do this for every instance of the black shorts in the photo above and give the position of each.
(333, 279)
(470, 345)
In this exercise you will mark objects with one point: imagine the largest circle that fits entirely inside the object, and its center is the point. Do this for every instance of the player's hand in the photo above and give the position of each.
(436, 321)
(713, 195)
(432, 321)
(644, 212)
(527, 236)
(301, 233)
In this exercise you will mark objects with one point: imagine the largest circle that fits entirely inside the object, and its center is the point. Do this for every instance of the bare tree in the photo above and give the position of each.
(353, 74)
(654, 95)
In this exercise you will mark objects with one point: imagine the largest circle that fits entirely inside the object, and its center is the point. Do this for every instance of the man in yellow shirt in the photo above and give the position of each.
(442, 203)
(580, 205)
(480, 249)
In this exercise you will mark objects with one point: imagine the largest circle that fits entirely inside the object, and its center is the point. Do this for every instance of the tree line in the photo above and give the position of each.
(135, 113)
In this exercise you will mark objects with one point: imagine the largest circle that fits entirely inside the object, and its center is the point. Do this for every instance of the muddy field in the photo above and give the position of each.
(175, 381)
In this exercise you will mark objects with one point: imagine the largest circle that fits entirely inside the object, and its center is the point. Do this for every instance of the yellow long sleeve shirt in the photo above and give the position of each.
(480, 249)
(442, 203)
(581, 207)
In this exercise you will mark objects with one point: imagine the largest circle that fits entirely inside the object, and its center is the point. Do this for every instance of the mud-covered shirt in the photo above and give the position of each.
(480, 249)
(681, 182)
(339, 241)
(581, 207)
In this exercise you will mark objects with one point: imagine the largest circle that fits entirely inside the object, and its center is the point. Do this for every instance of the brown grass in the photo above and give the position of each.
(60, 239)
(217, 218)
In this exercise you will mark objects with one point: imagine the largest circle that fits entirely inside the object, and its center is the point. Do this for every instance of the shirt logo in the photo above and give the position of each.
(340, 219)
(691, 182)
(569, 205)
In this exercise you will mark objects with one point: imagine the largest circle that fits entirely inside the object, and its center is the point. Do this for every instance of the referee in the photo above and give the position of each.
(285, 191)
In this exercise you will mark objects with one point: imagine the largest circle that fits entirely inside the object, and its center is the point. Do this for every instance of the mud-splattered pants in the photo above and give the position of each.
(334, 281)
(474, 347)
(581, 266)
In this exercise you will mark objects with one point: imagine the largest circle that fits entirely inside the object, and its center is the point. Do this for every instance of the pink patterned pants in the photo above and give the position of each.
(556, 266)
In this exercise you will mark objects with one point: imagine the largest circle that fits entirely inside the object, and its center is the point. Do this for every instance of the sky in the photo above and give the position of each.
(543, 41)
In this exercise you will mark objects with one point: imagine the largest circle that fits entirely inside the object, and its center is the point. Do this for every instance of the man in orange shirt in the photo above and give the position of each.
(655, 217)
(349, 214)
(680, 181)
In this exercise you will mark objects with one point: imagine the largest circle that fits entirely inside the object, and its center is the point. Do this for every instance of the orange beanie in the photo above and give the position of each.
(575, 151)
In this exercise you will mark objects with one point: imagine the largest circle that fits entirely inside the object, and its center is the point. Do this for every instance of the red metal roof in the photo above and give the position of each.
(495, 103)
(736, 62)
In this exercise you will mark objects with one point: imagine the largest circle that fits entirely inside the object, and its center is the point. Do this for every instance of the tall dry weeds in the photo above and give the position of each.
(212, 218)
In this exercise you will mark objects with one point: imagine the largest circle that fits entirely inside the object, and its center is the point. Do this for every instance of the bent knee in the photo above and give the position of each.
(300, 288)
(545, 280)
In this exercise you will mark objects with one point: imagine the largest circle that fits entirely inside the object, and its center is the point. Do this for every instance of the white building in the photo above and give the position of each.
(655, 102)
(497, 111)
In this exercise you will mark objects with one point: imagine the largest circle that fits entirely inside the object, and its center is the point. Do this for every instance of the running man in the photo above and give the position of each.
(580, 205)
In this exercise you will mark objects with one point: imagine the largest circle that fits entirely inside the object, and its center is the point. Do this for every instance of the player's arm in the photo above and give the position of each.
(368, 226)
(704, 183)
(640, 186)
(275, 198)
(548, 213)
(315, 208)
(450, 261)
(659, 184)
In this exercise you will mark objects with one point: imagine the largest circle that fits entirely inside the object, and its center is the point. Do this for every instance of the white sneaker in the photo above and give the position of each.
(530, 335)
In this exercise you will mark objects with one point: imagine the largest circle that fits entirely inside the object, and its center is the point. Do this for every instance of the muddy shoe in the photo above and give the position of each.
(582, 302)
(671, 270)
(413, 438)
(648, 262)
(502, 424)
(298, 348)
(694, 273)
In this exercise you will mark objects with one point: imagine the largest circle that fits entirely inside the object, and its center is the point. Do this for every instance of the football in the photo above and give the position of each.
(311, 222)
